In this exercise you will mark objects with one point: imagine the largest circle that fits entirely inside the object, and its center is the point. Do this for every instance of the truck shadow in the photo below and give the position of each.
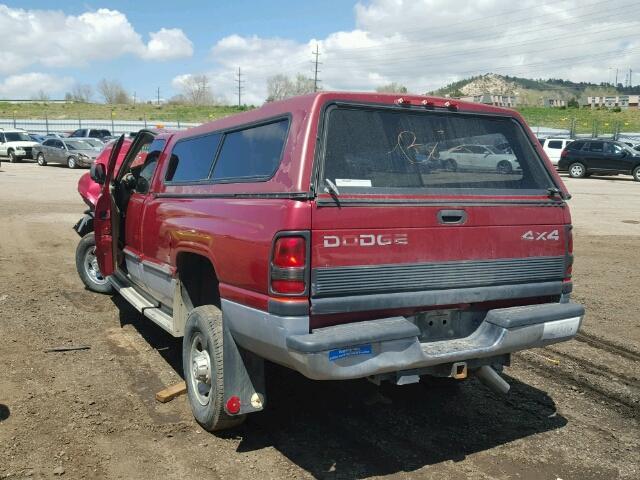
(354, 429)
(168, 347)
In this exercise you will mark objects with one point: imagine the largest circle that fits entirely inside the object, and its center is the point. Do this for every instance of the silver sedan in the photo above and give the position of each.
(71, 152)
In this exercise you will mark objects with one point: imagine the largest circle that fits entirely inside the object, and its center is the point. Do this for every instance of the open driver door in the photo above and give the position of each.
(107, 214)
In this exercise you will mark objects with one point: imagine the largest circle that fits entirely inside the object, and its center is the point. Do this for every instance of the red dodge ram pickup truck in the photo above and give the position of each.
(343, 235)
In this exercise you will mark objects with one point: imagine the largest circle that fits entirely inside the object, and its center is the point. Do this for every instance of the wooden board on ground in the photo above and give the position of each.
(169, 393)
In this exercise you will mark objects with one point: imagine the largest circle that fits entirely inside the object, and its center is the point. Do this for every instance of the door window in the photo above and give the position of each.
(597, 147)
(555, 144)
(191, 159)
(252, 153)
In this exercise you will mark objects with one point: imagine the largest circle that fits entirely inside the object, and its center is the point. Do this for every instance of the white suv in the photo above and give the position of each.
(553, 147)
(15, 144)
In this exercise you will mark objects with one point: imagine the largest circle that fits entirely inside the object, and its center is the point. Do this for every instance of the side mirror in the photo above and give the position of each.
(98, 173)
(142, 185)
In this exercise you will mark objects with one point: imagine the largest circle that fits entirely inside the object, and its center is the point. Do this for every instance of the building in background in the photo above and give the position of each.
(554, 102)
(611, 101)
(489, 99)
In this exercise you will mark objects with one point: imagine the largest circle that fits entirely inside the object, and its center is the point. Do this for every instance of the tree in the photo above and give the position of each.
(196, 90)
(41, 96)
(280, 86)
(113, 92)
(392, 87)
(81, 92)
(573, 103)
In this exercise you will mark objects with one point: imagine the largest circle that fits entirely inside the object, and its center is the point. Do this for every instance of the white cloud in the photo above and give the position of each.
(425, 44)
(26, 85)
(167, 44)
(53, 39)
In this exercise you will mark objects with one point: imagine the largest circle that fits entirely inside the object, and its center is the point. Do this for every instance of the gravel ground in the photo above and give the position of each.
(573, 412)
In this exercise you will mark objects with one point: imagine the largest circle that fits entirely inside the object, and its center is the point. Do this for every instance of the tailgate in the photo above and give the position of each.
(405, 248)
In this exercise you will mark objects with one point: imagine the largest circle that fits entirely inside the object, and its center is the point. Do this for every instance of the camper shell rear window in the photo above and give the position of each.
(380, 150)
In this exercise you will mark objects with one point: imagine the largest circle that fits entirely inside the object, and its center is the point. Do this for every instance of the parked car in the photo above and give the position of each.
(553, 147)
(603, 157)
(99, 133)
(480, 158)
(304, 233)
(55, 135)
(71, 152)
(94, 142)
(16, 144)
(36, 137)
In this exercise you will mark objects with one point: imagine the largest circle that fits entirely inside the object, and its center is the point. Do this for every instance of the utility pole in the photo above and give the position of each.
(616, 84)
(158, 95)
(315, 75)
(134, 98)
(630, 73)
(240, 82)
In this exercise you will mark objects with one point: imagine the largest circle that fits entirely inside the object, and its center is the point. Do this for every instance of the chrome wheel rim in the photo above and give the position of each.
(92, 268)
(71, 162)
(40, 159)
(576, 171)
(200, 370)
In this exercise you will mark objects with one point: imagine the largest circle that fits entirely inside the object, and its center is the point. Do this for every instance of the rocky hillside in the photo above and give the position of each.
(529, 92)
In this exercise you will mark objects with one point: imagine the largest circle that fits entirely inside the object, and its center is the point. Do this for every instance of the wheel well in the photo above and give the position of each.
(199, 279)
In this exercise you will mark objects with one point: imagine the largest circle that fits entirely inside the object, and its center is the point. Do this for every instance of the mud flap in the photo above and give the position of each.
(243, 375)
(85, 224)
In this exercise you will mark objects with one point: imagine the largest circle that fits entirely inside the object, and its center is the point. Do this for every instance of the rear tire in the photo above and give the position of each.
(636, 173)
(450, 165)
(577, 170)
(202, 362)
(72, 162)
(41, 161)
(504, 167)
(87, 266)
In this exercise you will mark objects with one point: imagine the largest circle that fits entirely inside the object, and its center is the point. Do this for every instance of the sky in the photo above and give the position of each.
(422, 44)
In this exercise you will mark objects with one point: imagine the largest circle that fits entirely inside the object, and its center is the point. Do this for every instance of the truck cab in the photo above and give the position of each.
(328, 233)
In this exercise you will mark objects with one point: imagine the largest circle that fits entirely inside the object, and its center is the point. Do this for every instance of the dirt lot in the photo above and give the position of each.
(573, 412)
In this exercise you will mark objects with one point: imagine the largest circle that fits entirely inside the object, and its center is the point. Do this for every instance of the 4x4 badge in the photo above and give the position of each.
(531, 235)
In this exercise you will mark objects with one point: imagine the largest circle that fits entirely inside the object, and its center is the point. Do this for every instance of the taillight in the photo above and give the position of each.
(564, 153)
(568, 269)
(289, 265)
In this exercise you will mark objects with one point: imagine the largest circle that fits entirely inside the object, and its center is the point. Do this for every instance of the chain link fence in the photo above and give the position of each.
(599, 129)
(116, 127)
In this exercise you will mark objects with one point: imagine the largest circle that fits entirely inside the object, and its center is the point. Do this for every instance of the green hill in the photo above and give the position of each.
(530, 92)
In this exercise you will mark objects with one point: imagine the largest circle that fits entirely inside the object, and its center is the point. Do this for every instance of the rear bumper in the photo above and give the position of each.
(374, 347)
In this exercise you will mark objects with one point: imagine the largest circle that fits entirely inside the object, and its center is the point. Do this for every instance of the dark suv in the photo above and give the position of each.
(585, 157)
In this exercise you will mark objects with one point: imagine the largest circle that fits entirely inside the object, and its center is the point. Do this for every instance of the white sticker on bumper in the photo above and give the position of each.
(567, 327)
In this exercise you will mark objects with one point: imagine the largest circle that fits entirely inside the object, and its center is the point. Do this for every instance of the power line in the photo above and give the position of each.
(315, 74)
(240, 82)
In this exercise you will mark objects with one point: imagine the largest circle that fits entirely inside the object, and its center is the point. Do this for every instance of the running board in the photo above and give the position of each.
(150, 309)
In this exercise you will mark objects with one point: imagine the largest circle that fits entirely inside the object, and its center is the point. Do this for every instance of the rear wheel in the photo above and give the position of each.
(504, 167)
(577, 170)
(636, 173)
(71, 162)
(450, 165)
(41, 161)
(87, 266)
(202, 362)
